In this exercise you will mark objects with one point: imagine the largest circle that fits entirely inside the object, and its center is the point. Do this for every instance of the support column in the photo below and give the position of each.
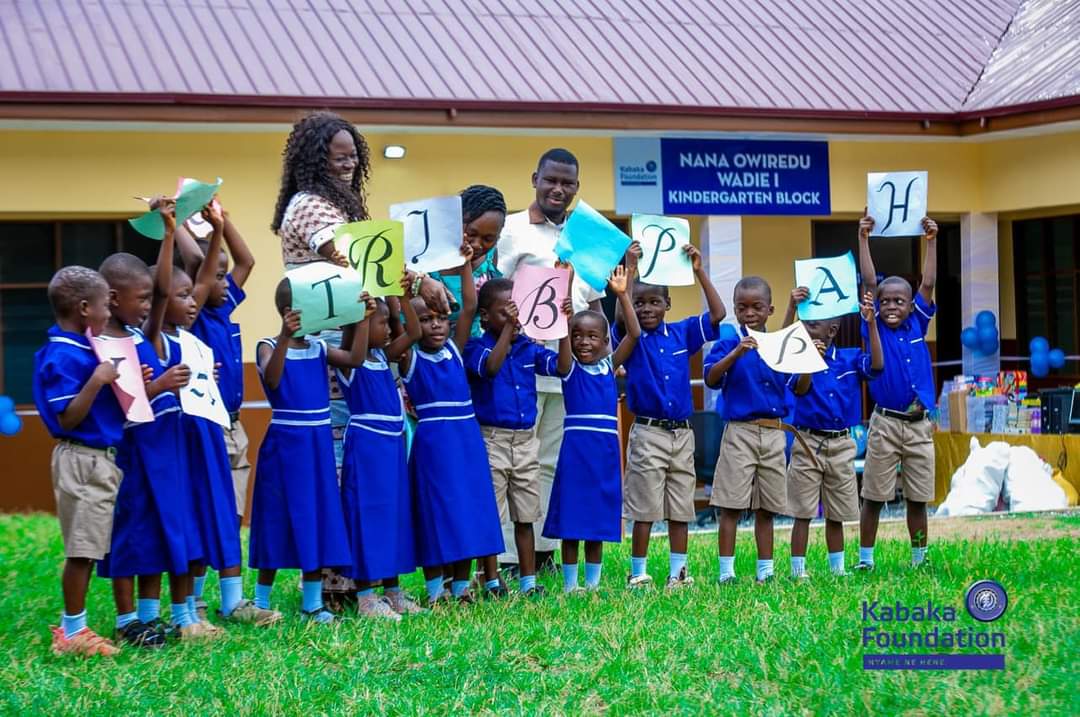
(979, 280)
(721, 249)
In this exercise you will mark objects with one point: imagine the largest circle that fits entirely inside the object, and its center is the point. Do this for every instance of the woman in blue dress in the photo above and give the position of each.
(586, 496)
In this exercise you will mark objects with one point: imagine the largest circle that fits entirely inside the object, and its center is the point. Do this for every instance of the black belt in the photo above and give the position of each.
(110, 451)
(912, 417)
(825, 434)
(666, 424)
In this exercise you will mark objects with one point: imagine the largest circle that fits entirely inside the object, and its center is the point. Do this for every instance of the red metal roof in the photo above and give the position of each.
(895, 57)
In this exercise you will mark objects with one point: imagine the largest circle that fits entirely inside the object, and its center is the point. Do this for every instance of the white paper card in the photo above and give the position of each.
(201, 396)
(897, 202)
(789, 350)
(433, 233)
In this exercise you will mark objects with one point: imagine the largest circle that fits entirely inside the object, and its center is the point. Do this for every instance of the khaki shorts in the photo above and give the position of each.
(85, 482)
(892, 442)
(515, 472)
(236, 443)
(660, 479)
(833, 483)
(750, 472)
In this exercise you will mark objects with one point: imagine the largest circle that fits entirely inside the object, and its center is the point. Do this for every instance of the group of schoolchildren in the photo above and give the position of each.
(142, 499)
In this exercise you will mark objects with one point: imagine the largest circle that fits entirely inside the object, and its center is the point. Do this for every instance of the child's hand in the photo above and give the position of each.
(511, 314)
(175, 377)
(212, 213)
(105, 373)
(748, 343)
(695, 256)
(618, 281)
(632, 256)
(336, 257)
(290, 322)
(147, 373)
(866, 224)
(929, 227)
(167, 210)
(820, 346)
(867, 307)
(568, 307)
(370, 307)
(408, 278)
(799, 294)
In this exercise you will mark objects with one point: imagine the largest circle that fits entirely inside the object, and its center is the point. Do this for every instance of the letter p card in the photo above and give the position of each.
(663, 261)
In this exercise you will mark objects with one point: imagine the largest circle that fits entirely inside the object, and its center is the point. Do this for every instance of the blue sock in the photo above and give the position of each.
(764, 569)
(637, 566)
(727, 566)
(73, 623)
(191, 608)
(918, 555)
(491, 584)
(149, 609)
(262, 595)
(676, 563)
(126, 619)
(180, 615)
(836, 562)
(866, 555)
(312, 600)
(569, 576)
(365, 592)
(592, 574)
(434, 587)
(458, 587)
(526, 583)
(197, 588)
(232, 592)
(798, 565)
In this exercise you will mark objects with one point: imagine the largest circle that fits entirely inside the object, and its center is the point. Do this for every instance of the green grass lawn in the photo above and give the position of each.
(777, 649)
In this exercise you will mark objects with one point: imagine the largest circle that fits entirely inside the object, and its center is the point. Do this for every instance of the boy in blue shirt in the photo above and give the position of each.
(502, 365)
(825, 414)
(750, 472)
(900, 434)
(72, 394)
(660, 478)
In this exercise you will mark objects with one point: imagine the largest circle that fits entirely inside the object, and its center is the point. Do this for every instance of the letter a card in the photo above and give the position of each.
(433, 233)
(897, 202)
(326, 295)
(539, 293)
(663, 261)
(833, 285)
(789, 350)
(376, 250)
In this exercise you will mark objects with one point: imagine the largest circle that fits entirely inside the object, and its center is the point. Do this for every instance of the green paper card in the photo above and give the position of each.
(326, 295)
(376, 250)
(191, 199)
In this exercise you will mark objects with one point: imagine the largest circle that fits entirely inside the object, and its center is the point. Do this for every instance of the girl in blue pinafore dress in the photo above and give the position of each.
(456, 515)
(586, 495)
(296, 514)
(375, 490)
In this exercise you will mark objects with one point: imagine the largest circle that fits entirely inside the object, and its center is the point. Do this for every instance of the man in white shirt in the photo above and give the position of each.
(528, 238)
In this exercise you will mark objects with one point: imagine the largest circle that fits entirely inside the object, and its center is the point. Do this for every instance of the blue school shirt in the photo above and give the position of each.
(750, 388)
(217, 330)
(834, 401)
(658, 370)
(61, 368)
(507, 399)
(907, 375)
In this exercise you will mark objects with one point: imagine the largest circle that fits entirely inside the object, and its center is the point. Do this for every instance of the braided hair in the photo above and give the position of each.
(479, 199)
(305, 166)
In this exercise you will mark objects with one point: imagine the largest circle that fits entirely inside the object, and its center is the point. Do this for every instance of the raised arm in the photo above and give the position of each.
(622, 285)
(463, 329)
(357, 339)
(566, 354)
(243, 259)
(403, 340)
(929, 271)
(798, 295)
(717, 311)
(866, 262)
(877, 354)
(630, 260)
(273, 361)
(207, 276)
(162, 275)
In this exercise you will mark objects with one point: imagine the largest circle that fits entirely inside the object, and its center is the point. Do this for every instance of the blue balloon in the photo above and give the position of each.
(10, 424)
(988, 340)
(985, 319)
(969, 337)
(6, 405)
(1056, 357)
(1039, 345)
(1040, 365)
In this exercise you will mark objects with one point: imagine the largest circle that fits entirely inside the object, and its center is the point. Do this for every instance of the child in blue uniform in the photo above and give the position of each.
(73, 397)
(825, 415)
(296, 516)
(586, 497)
(375, 491)
(456, 515)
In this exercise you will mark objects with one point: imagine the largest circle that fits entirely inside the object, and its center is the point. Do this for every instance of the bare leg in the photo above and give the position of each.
(916, 523)
(523, 538)
(123, 595)
(639, 545)
(868, 522)
(725, 532)
(834, 536)
(800, 536)
(763, 534)
(569, 552)
(594, 551)
(677, 536)
(75, 582)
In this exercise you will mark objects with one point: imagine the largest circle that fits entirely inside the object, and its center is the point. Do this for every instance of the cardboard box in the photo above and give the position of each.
(958, 422)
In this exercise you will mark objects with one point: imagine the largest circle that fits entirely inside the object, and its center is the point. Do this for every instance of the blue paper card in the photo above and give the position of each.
(592, 244)
(833, 285)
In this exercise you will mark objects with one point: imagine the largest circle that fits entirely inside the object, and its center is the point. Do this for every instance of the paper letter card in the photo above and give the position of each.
(433, 233)
(129, 387)
(592, 244)
(190, 200)
(834, 289)
(326, 295)
(376, 250)
(201, 396)
(897, 202)
(539, 293)
(663, 261)
(789, 350)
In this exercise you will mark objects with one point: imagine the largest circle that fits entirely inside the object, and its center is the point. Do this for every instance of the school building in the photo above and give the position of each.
(100, 103)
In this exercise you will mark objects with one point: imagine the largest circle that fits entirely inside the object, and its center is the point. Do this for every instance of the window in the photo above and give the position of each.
(30, 252)
(1045, 253)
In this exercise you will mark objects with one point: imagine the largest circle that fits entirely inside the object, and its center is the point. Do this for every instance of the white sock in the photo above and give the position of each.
(764, 569)
(836, 562)
(798, 565)
(918, 555)
(727, 566)
(866, 555)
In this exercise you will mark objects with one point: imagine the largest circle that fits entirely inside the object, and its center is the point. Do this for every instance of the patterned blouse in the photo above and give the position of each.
(309, 222)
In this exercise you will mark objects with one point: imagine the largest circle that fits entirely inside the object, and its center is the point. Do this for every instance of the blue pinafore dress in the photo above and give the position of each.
(586, 495)
(210, 472)
(375, 492)
(456, 514)
(296, 516)
(154, 528)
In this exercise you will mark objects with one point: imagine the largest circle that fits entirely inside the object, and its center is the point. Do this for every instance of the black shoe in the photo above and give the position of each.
(535, 592)
(138, 634)
(497, 593)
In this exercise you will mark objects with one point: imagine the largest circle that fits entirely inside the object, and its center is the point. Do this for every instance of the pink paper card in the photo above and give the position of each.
(129, 387)
(539, 293)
